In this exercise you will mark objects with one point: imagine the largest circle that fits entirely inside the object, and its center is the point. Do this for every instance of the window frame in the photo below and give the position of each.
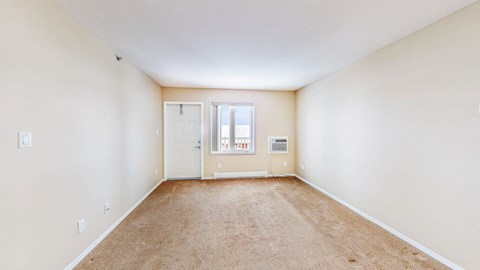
(232, 130)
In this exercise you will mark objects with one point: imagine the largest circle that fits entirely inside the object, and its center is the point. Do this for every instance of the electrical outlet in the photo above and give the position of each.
(156, 172)
(284, 164)
(302, 166)
(81, 225)
(106, 207)
(158, 132)
(219, 165)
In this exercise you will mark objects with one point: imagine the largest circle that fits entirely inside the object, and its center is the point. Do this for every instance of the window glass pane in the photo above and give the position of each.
(243, 128)
(224, 127)
(232, 128)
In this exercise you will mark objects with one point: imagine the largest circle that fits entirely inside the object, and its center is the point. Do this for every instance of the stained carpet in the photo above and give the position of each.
(275, 223)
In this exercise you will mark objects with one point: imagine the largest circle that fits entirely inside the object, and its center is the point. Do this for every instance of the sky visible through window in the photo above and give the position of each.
(242, 121)
(242, 116)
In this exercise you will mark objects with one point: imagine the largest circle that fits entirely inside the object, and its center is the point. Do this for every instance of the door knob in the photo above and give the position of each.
(198, 147)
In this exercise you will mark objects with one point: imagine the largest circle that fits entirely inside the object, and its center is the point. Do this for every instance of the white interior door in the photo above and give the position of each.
(183, 149)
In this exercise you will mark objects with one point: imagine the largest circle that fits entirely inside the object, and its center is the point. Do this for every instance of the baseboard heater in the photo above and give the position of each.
(217, 175)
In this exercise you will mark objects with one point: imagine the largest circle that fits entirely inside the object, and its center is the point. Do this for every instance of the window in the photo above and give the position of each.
(233, 128)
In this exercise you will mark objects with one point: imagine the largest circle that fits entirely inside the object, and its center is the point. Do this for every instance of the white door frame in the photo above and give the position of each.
(165, 145)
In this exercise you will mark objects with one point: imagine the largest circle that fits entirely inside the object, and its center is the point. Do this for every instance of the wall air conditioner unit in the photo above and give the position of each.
(278, 145)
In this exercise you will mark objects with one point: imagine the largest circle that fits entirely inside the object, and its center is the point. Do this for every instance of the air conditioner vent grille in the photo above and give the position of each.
(278, 145)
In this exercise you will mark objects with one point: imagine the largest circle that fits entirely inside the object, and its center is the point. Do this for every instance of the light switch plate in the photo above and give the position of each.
(81, 225)
(24, 139)
(106, 208)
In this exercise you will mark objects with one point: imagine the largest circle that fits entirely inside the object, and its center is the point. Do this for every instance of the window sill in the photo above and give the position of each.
(232, 153)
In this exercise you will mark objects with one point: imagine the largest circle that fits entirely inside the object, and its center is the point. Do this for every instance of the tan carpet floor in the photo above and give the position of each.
(275, 223)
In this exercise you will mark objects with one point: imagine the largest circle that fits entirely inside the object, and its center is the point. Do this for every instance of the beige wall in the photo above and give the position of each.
(398, 136)
(395, 135)
(275, 114)
(94, 123)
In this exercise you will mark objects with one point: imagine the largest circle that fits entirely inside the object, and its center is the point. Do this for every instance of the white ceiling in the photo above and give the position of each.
(252, 44)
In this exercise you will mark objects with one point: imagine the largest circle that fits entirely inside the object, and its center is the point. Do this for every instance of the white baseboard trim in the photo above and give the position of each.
(253, 174)
(282, 175)
(207, 178)
(405, 238)
(109, 230)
